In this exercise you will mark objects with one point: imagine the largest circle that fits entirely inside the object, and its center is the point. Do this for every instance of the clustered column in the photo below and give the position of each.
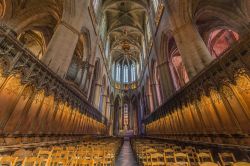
(192, 48)
(61, 49)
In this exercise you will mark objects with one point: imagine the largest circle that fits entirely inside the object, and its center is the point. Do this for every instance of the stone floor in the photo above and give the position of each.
(126, 157)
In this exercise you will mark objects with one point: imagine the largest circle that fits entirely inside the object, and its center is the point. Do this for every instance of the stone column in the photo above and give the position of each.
(86, 86)
(112, 119)
(61, 49)
(167, 82)
(120, 117)
(104, 102)
(150, 103)
(79, 76)
(116, 120)
(97, 94)
(84, 78)
(131, 116)
(107, 110)
(154, 94)
(192, 48)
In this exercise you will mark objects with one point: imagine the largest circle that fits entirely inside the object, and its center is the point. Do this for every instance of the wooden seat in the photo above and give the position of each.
(208, 164)
(204, 151)
(83, 154)
(168, 156)
(241, 164)
(177, 148)
(60, 158)
(191, 148)
(156, 159)
(83, 162)
(108, 160)
(8, 160)
(71, 148)
(56, 149)
(22, 153)
(227, 159)
(97, 156)
(191, 155)
(45, 155)
(204, 157)
(30, 161)
(59, 161)
(181, 159)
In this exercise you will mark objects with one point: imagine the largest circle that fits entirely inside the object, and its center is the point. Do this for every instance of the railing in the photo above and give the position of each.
(217, 90)
(16, 58)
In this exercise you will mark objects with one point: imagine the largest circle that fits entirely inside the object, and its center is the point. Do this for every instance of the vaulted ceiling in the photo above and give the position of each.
(126, 26)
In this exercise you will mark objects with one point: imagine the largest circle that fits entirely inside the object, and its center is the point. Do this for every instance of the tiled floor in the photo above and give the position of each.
(126, 157)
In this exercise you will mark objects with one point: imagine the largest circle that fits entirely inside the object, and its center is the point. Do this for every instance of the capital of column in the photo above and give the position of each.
(177, 29)
(71, 28)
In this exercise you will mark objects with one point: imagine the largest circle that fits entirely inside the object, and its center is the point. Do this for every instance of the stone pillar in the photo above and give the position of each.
(61, 49)
(98, 88)
(154, 94)
(167, 82)
(107, 110)
(131, 116)
(79, 76)
(150, 103)
(86, 86)
(120, 117)
(104, 102)
(192, 48)
(112, 119)
(84, 78)
(116, 119)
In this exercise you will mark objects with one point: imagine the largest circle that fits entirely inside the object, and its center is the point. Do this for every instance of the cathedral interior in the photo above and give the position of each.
(125, 82)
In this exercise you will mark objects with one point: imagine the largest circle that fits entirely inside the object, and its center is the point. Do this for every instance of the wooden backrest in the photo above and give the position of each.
(227, 158)
(156, 157)
(204, 157)
(8, 160)
(31, 161)
(181, 158)
(44, 154)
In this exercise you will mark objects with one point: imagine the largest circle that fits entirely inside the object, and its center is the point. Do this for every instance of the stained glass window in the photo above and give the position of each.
(133, 72)
(125, 73)
(118, 73)
(155, 4)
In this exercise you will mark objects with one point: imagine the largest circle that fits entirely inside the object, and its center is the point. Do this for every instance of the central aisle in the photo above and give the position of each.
(126, 157)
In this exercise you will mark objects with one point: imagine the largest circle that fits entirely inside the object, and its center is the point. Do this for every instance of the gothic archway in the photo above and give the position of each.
(176, 65)
(221, 40)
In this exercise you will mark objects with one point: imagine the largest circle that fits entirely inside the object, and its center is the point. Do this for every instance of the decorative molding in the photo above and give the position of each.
(15, 59)
(222, 71)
